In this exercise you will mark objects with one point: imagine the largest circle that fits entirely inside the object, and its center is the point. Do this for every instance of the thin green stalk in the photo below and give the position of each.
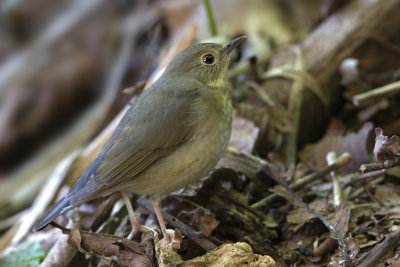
(376, 93)
(295, 107)
(210, 17)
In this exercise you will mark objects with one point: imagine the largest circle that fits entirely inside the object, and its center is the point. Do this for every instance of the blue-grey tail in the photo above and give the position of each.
(59, 208)
(83, 190)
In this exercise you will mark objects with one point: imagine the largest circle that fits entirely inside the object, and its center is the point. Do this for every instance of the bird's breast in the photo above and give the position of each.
(193, 160)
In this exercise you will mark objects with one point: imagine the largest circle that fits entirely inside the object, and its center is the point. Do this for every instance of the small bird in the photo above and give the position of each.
(173, 135)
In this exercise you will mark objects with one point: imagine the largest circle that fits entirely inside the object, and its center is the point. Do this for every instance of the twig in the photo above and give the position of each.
(380, 165)
(210, 17)
(376, 93)
(175, 222)
(325, 247)
(344, 159)
(381, 250)
(368, 175)
(330, 243)
(337, 191)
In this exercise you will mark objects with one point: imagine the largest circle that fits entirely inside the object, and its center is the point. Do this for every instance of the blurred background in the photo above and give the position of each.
(56, 57)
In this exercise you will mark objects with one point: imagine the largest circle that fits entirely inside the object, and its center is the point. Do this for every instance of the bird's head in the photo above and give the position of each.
(206, 62)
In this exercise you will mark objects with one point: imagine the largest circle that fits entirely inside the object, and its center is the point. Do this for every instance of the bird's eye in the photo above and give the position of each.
(208, 59)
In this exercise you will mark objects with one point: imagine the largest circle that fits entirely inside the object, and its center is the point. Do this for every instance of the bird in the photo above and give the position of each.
(172, 136)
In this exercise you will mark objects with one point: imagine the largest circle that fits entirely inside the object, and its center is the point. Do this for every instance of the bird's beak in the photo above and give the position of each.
(233, 44)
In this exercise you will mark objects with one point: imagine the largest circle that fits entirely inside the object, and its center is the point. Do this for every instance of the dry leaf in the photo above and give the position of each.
(314, 155)
(244, 135)
(386, 148)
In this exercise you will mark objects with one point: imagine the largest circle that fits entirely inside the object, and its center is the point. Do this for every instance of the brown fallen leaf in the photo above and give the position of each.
(299, 216)
(340, 220)
(386, 151)
(335, 140)
(124, 251)
(386, 148)
(244, 135)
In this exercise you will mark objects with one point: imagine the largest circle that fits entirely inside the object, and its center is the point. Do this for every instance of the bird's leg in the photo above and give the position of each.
(136, 227)
(157, 209)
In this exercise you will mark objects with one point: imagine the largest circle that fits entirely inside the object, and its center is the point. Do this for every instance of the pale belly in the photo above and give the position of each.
(186, 165)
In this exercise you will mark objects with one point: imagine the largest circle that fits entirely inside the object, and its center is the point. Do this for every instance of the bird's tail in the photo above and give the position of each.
(83, 190)
(59, 208)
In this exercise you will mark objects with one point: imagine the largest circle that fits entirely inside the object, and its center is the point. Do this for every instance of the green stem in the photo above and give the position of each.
(210, 17)
(378, 92)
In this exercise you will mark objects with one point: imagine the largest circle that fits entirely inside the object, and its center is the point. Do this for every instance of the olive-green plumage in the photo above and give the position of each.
(172, 135)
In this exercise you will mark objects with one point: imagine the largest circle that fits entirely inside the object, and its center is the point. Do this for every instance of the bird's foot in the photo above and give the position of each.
(140, 229)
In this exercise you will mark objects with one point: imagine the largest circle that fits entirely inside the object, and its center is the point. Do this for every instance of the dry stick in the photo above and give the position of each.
(342, 160)
(337, 191)
(330, 243)
(325, 247)
(368, 176)
(175, 222)
(376, 93)
(380, 165)
(381, 250)
(332, 229)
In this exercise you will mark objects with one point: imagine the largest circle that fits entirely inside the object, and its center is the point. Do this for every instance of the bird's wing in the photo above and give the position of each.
(151, 130)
